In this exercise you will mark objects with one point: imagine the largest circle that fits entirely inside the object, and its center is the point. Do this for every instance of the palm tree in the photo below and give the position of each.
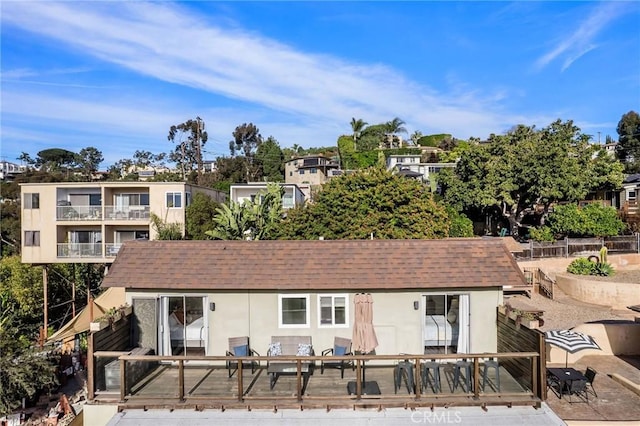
(394, 127)
(357, 126)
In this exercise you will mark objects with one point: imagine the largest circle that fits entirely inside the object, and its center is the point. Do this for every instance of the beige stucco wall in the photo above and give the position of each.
(98, 414)
(397, 324)
(615, 338)
(614, 294)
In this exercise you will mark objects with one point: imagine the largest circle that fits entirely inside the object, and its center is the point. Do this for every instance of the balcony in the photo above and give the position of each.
(79, 212)
(79, 250)
(127, 213)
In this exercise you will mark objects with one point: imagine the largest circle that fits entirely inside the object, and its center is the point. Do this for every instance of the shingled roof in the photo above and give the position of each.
(313, 265)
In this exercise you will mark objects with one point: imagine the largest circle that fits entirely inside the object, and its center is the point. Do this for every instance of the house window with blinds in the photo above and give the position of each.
(333, 310)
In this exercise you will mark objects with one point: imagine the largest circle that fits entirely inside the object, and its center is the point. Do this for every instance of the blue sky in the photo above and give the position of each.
(116, 75)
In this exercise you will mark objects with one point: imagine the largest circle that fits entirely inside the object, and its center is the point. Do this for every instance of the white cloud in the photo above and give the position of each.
(580, 41)
(304, 98)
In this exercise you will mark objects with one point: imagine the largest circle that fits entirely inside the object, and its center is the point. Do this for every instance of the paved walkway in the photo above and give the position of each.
(471, 416)
(614, 401)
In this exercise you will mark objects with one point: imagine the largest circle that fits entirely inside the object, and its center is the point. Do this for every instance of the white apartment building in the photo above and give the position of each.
(86, 222)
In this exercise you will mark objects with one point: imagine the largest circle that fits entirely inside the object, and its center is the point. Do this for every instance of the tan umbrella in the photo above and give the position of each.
(364, 335)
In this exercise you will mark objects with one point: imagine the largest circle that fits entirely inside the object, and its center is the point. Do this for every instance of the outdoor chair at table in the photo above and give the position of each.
(566, 381)
(341, 347)
(590, 374)
(239, 346)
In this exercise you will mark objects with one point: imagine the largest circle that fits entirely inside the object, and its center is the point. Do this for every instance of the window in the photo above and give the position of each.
(301, 172)
(174, 199)
(313, 170)
(631, 195)
(293, 310)
(332, 310)
(32, 200)
(188, 197)
(32, 238)
(290, 173)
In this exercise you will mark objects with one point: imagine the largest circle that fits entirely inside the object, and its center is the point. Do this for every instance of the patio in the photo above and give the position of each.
(614, 401)
(208, 386)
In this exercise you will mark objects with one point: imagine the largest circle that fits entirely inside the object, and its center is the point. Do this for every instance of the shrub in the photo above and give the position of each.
(541, 234)
(581, 266)
(584, 266)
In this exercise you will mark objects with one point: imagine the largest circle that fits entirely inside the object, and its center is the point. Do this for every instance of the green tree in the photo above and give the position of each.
(56, 160)
(165, 230)
(199, 216)
(23, 371)
(89, 160)
(247, 140)
(251, 220)
(191, 139)
(461, 226)
(270, 159)
(524, 168)
(592, 220)
(369, 202)
(628, 148)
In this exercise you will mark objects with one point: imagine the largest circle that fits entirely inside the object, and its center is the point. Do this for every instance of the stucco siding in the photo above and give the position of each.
(398, 325)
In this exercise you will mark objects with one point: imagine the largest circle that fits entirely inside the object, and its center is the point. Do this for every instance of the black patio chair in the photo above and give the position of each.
(579, 389)
(590, 374)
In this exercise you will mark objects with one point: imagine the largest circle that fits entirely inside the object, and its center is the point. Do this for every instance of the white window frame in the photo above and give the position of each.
(307, 316)
(333, 312)
(173, 196)
(632, 195)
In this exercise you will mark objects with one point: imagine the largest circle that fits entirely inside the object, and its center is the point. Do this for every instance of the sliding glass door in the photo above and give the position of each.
(446, 323)
(184, 328)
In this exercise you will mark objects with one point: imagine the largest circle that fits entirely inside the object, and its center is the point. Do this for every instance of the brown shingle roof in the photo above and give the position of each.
(313, 265)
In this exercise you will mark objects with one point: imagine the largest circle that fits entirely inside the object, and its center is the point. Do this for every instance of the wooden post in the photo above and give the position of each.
(418, 378)
(476, 378)
(299, 378)
(358, 378)
(73, 298)
(45, 285)
(123, 379)
(90, 368)
(240, 384)
(181, 380)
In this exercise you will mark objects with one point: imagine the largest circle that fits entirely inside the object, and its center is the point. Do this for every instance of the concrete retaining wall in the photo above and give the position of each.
(604, 293)
(614, 338)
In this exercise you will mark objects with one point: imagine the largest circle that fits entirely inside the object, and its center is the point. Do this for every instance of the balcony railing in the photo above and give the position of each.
(205, 381)
(127, 212)
(79, 212)
(111, 250)
(78, 250)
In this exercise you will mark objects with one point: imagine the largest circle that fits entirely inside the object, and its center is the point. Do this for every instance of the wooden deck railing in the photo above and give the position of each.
(238, 392)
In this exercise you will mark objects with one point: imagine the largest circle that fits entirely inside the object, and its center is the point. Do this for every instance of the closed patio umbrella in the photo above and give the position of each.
(571, 341)
(364, 338)
(364, 335)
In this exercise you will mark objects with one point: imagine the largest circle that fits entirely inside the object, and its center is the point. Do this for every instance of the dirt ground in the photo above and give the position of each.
(565, 312)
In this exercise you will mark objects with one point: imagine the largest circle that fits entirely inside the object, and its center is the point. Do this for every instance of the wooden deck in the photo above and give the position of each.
(208, 386)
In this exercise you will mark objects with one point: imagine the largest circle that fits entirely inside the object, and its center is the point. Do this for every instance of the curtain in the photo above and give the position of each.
(165, 331)
(463, 324)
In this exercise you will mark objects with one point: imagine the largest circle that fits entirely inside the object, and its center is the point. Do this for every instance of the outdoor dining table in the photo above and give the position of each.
(564, 377)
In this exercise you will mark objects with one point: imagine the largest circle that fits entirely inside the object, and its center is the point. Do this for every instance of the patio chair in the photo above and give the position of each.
(579, 389)
(590, 374)
(341, 346)
(239, 346)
